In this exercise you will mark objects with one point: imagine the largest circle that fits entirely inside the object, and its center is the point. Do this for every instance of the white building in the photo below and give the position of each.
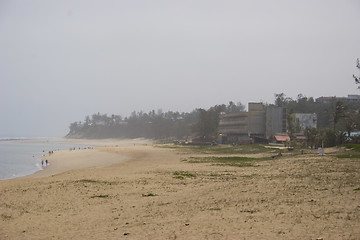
(304, 120)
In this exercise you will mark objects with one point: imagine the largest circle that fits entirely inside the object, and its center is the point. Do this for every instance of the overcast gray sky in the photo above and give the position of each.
(62, 60)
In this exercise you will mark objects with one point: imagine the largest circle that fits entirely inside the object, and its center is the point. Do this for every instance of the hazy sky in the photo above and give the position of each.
(62, 60)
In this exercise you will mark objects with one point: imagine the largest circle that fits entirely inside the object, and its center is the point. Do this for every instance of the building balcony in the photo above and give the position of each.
(233, 131)
(232, 123)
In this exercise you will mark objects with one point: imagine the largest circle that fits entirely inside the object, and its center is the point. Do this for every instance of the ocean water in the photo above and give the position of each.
(21, 157)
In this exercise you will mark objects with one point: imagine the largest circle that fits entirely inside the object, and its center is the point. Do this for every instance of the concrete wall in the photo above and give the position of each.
(257, 123)
(275, 121)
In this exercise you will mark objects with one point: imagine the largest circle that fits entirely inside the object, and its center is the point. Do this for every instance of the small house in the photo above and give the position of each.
(282, 139)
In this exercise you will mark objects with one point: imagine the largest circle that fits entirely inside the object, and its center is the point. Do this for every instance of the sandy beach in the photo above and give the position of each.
(134, 190)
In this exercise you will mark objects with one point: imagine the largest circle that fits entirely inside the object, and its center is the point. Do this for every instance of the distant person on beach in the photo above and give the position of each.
(46, 162)
(42, 163)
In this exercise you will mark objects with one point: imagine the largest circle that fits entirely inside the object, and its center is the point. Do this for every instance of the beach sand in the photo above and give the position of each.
(133, 190)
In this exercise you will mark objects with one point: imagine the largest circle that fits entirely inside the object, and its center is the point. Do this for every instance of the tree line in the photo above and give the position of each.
(335, 120)
(154, 124)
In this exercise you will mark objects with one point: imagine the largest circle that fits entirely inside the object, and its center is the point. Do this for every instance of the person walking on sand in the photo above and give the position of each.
(46, 162)
(42, 163)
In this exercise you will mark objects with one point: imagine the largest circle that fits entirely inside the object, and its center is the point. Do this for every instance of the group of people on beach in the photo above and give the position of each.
(46, 162)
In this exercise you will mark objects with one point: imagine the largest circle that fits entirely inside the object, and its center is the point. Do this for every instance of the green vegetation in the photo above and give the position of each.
(95, 181)
(240, 161)
(149, 195)
(229, 161)
(5, 217)
(237, 161)
(249, 211)
(352, 151)
(221, 149)
(87, 181)
(335, 120)
(100, 196)
(348, 156)
(214, 209)
(352, 146)
(183, 174)
(153, 125)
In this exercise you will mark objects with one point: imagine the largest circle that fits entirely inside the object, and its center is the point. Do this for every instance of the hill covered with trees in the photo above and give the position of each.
(154, 124)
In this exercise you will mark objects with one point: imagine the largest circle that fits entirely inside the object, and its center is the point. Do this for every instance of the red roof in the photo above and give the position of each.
(279, 138)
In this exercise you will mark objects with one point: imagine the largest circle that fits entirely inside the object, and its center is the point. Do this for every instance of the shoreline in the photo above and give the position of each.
(68, 160)
(79, 158)
(60, 146)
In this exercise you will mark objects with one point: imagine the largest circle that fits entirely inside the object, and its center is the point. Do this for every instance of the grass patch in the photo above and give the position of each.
(224, 159)
(249, 211)
(221, 149)
(348, 156)
(100, 196)
(183, 175)
(357, 189)
(87, 181)
(234, 161)
(149, 195)
(94, 181)
(353, 146)
(214, 209)
(5, 217)
(228, 161)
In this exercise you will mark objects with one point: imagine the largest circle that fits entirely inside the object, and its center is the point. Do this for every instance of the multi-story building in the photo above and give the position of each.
(256, 120)
(275, 121)
(258, 123)
(234, 128)
(349, 98)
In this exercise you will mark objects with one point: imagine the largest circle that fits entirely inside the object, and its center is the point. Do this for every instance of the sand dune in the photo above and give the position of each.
(152, 193)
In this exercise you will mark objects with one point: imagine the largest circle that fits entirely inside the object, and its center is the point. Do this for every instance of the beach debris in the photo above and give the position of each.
(321, 151)
(126, 234)
(277, 155)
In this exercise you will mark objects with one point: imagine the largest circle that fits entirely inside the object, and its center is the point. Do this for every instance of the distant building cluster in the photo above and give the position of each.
(349, 98)
(262, 124)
